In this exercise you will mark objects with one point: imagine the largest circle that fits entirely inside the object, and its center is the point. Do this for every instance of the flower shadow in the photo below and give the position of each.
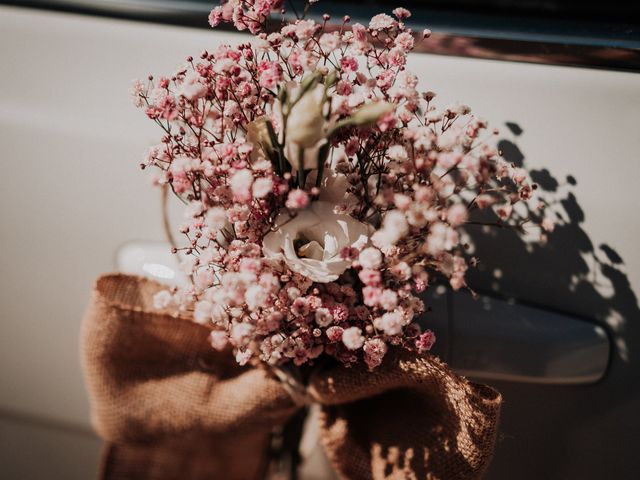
(574, 275)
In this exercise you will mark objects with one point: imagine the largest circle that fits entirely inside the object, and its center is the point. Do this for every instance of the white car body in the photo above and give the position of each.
(72, 194)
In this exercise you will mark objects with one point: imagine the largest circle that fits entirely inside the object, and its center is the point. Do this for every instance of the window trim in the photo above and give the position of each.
(603, 45)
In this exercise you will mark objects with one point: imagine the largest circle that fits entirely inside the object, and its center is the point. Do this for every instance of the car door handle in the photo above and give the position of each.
(150, 259)
(495, 339)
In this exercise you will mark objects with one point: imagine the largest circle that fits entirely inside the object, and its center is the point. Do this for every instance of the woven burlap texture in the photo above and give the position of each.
(170, 406)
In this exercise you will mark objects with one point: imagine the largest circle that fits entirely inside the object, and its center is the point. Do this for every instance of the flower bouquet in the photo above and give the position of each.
(324, 191)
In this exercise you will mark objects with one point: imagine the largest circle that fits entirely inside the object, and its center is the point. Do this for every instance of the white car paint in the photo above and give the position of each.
(72, 193)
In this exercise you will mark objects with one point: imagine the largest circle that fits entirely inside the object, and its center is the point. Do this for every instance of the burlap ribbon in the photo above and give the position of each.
(170, 406)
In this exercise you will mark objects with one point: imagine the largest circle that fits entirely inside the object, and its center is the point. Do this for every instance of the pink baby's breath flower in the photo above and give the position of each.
(402, 201)
(269, 282)
(241, 185)
(457, 215)
(215, 17)
(216, 218)
(202, 312)
(457, 282)
(519, 175)
(300, 30)
(525, 192)
(390, 323)
(305, 29)
(136, 91)
(250, 266)
(165, 108)
(370, 277)
(382, 21)
(385, 79)
(394, 227)
(401, 271)
(387, 121)
(370, 258)
(162, 299)
(241, 333)
(323, 317)
(330, 42)
(441, 237)
(243, 356)
(374, 351)
(425, 341)
(403, 113)
(256, 296)
(293, 293)
(398, 153)
(349, 64)
(397, 56)
(502, 169)
(218, 339)
(349, 253)
(270, 74)
(352, 338)
(314, 302)
(297, 199)
(204, 278)
(262, 187)
(384, 238)
(388, 299)
(405, 41)
(340, 312)
(401, 13)
(300, 306)
(344, 88)
(371, 296)
(192, 88)
(359, 32)
(334, 333)
(219, 316)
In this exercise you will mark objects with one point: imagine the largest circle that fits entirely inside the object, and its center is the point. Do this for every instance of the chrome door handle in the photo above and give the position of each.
(495, 339)
(150, 259)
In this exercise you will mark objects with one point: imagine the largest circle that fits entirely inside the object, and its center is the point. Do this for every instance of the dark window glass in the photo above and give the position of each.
(623, 10)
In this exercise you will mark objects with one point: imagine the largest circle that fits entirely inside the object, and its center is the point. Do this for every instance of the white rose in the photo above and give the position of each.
(334, 185)
(310, 243)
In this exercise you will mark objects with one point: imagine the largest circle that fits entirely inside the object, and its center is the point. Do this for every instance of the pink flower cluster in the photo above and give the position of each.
(260, 137)
(245, 14)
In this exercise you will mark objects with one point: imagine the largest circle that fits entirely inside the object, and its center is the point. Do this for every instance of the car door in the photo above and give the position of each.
(556, 328)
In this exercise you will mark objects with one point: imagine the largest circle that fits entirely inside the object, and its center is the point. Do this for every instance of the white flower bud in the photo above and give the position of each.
(371, 112)
(305, 124)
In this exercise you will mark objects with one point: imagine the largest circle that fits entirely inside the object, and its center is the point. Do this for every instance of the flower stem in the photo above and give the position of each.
(292, 434)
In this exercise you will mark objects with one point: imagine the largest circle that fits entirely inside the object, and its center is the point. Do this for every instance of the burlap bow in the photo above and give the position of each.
(170, 406)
